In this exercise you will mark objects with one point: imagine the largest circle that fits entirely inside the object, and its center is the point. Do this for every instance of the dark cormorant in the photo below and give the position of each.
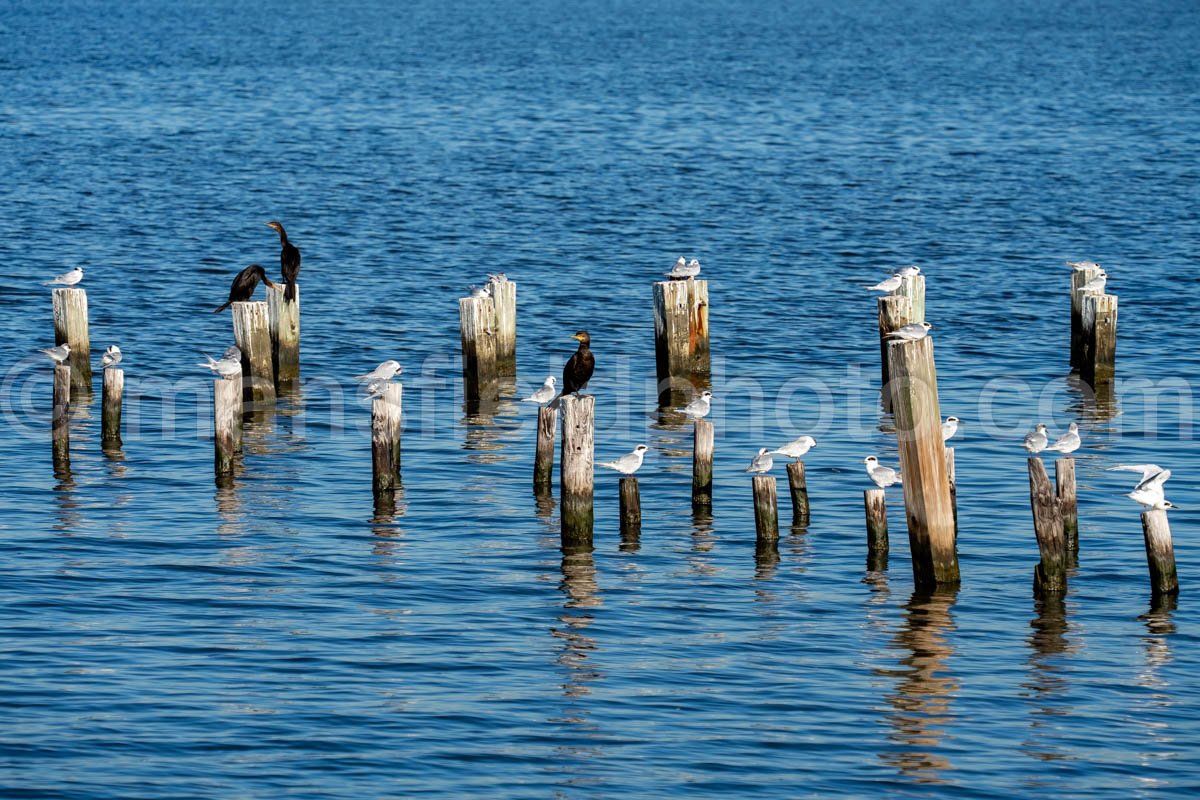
(580, 366)
(244, 285)
(289, 261)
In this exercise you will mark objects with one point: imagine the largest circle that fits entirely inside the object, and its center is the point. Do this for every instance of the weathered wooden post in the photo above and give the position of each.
(766, 508)
(1160, 552)
(476, 319)
(895, 311)
(60, 418)
(702, 464)
(680, 334)
(1079, 278)
(71, 327)
(227, 428)
(913, 287)
(1099, 322)
(631, 505)
(385, 437)
(1051, 572)
(285, 335)
(252, 334)
(875, 504)
(1064, 479)
(543, 458)
(952, 476)
(575, 467)
(798, 485)
(110, 408)
(504, 297)
(927, 503)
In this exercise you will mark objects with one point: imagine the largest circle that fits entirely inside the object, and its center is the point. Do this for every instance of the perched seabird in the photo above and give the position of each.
(881, 475)
(684, 270)
(762, 462)
(911, 332)
(700, 406)
(244, 285)
(480, 292)
(629, 463)
(949, 428)
(1096, 284)
(544, 394)
(67, 278)
(499, 277)
(888, 285)
(1150, 491)
(1036, 442)
(579, 367)
(57, 354)
(796, 448)
(1080, 266)
(229, 365)
(384, 372)
(909, 271)
(1147, 470)
(289, 261)
(111, 357)
(1069, 442)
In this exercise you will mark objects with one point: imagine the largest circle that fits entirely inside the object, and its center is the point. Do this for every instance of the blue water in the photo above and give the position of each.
(161, 637)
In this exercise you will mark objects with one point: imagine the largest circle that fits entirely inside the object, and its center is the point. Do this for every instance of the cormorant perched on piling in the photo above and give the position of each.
(289, 261)
(244, 285)
(580, 366)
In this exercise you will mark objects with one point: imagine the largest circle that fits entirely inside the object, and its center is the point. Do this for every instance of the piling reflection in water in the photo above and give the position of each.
(581, 595)
(66, 503)
(389, 506)
(1047, 685)
(922, 698)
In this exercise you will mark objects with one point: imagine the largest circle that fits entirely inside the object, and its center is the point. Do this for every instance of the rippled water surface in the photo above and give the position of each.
(162, 637)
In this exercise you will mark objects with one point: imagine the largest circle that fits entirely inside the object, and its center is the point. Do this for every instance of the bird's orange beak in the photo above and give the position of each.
(577, 337)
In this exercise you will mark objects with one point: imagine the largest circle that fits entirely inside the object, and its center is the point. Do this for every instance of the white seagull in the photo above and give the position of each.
(545, 394)
(1096, 284)
(67, 278)
(700, 406)
(1080, 266)
(762, 462)
(1068, 442)
(58, 354)
(888, 285)
(384, 372)
(949, 428)
(1150, 491)
(1147, 470)
(911, 332)
(883, 476)
(629, 463)
(797, 447)
(111, 357)
(229, 365)
(684, 269)
(1036, 442)
(908, 272)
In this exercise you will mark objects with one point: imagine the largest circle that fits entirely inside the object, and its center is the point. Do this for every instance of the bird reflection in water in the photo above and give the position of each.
(1047, 685)
(922, 698)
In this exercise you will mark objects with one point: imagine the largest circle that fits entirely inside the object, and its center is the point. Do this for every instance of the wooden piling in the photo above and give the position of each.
(913, 287)
(631, 505)
(1160, 552)
(927, 502)
(766, 508)
(110, 408)
(504, 298)
(1064, 480)
(1078, 279)
(227, 424)
(60, 418)
(575, 468)
(952, 477)
(680, 332)
(1051, 572)
(1099, 322)
(543, 458)
(476, 319)
(252, 334)
(895, 311)
(385, 438)
(71, 327)
(702, 464)
(875, 504)
(285, 335)
(799, 491)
